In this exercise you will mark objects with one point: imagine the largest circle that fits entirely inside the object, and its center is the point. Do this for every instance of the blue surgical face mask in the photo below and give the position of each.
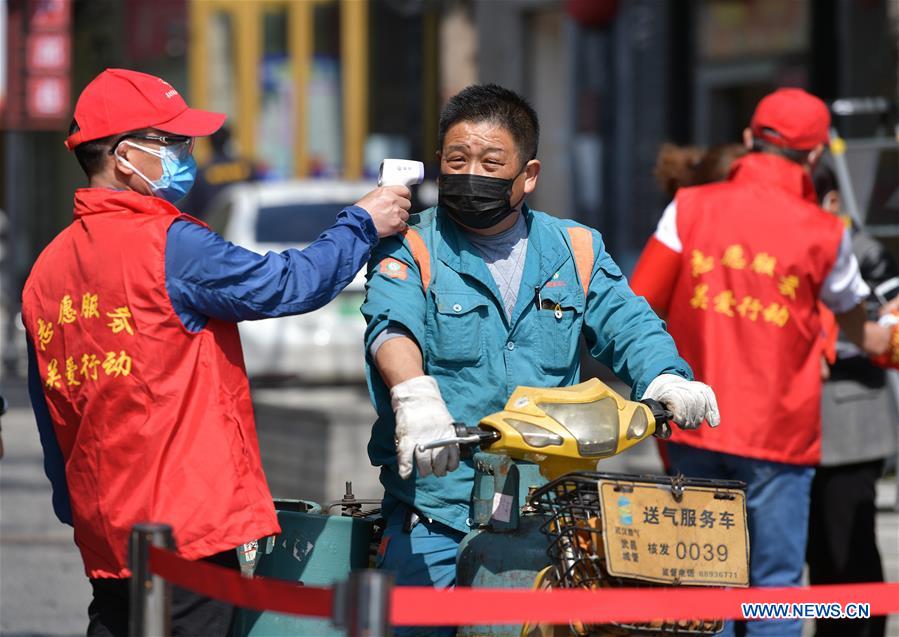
(179, 171)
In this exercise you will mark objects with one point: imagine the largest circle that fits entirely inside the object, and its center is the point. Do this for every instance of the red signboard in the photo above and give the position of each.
(49, 15)
(48, 97)
(48, 52)
(39, 48)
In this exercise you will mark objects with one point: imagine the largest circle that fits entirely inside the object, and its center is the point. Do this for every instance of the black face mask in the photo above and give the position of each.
(475, 201)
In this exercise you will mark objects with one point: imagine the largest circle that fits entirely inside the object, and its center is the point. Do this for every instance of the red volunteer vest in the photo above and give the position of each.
(744, 310)
(155, 423)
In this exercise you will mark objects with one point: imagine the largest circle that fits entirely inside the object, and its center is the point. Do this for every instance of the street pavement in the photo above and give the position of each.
(312, 441)
(43, 589)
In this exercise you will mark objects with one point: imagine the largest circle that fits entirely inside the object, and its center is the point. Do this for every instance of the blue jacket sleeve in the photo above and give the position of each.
(208, 277)
(623, 332)
(54, 465)
(394, 294)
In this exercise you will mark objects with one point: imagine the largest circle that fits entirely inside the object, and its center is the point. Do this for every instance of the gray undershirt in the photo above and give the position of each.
(504, 255)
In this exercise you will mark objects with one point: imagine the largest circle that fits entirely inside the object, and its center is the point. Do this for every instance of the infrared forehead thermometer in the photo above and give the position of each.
(401, 172)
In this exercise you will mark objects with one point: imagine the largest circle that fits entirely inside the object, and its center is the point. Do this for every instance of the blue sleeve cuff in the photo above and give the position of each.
(386, 334)
(393, 303)
(363, 218)
(678, 367)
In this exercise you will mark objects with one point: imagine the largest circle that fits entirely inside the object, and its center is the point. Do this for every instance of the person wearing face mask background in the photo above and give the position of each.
(136, 372)
(480, 295)
(741, 269)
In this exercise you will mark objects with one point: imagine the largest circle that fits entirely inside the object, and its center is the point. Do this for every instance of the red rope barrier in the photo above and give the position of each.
(468, 606)
(259, 593)
(419, 606)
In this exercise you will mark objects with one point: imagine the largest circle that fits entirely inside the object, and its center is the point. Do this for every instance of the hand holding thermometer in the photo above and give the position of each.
(401, 172)
(390, 202)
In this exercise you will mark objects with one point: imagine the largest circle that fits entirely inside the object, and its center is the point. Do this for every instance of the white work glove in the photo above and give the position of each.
(422, 417)
(690, 401)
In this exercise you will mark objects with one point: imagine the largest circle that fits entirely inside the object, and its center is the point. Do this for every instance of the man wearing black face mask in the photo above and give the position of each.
(481, 295)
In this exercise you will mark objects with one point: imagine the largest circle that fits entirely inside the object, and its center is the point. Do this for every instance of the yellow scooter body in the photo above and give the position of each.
(564, 429)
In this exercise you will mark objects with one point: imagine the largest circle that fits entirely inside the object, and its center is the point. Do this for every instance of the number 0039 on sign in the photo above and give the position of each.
(699, 539)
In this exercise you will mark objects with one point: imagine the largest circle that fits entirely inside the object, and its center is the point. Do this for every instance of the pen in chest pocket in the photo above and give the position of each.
(547, 305)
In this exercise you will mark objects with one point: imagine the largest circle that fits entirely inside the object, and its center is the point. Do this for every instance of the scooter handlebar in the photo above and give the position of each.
(474, 436)
(465, 436)
(662, 416)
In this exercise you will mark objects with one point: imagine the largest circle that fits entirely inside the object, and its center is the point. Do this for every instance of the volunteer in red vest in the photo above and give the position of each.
(738, 268)
(136, 372)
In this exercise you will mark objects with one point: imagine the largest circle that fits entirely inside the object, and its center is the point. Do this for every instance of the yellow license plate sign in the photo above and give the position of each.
(699, 539)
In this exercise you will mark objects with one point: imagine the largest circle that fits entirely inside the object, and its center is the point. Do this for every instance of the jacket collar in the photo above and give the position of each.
(546, 253)
(90, 201)
(548, 248)
(772, 170)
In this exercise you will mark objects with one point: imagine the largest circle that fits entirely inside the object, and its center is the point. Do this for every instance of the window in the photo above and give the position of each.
(296, 223)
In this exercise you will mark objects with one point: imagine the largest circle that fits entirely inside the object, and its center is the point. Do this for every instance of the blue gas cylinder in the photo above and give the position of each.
(501, 560)
(315, 549)
(507, 550)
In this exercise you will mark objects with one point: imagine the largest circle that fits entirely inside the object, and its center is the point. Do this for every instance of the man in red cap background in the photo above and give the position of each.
(136, 372)
(739, 268)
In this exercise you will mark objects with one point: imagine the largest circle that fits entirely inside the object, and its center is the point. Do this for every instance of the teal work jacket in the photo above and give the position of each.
(478, 356)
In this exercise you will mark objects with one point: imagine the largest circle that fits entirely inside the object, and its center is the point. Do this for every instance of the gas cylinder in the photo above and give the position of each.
(312, 548)
(507, 549)
(501, 560)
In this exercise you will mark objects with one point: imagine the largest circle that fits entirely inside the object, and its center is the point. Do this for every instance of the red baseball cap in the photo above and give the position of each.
(119, 101)
(791, 118)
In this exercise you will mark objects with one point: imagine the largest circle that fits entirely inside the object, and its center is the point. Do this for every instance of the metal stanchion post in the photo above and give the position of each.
(150, 609)
(362, 604)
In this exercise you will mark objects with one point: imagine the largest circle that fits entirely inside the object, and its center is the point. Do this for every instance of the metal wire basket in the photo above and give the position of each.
(571, 508)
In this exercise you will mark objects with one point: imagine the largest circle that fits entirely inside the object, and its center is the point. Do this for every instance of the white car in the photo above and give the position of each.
(325, 345)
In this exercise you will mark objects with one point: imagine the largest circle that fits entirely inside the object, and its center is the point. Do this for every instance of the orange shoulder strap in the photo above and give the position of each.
(420, 254)
(582, 247)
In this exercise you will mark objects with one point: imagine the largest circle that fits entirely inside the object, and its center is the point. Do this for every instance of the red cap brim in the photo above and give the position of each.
(73, 140)
(192, 122)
